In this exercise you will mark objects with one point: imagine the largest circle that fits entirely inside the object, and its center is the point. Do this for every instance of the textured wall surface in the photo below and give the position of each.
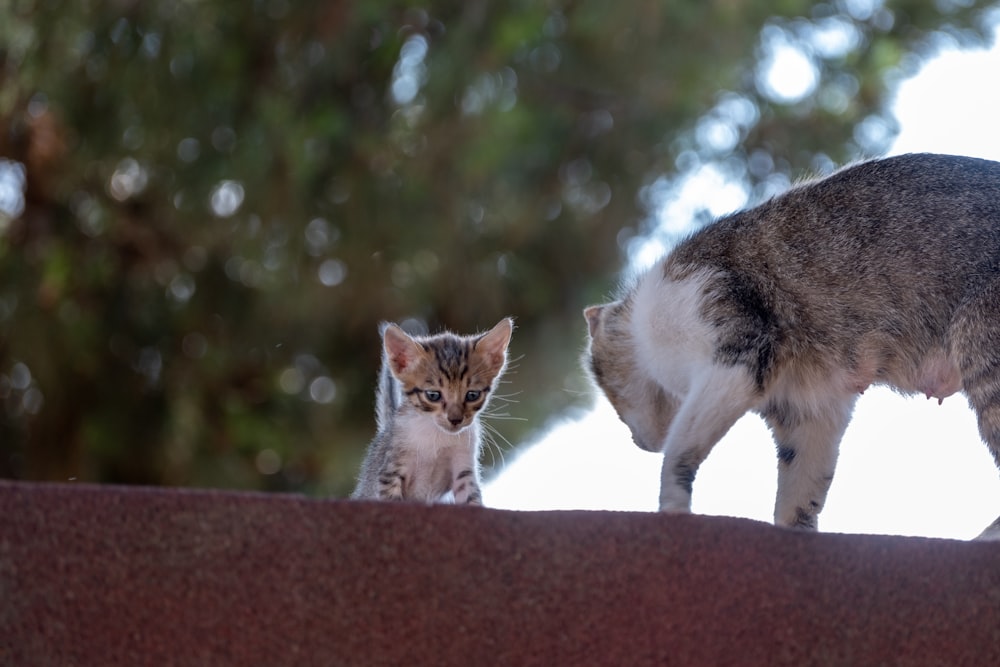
(136, 576)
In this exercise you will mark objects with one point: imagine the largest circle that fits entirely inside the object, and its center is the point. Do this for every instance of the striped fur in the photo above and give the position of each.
(886, 272)
(431, 391)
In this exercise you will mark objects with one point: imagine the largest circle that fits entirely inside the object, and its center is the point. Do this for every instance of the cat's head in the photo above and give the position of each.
(448, 376)
(610, 359)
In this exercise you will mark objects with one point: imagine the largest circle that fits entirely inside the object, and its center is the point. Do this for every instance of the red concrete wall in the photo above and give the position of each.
(133, 576)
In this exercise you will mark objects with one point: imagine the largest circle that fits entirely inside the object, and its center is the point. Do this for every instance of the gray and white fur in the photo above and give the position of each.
(886, 272)
(430, 394)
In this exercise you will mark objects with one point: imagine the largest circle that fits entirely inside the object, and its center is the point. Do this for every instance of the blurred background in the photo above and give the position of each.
(207, 207)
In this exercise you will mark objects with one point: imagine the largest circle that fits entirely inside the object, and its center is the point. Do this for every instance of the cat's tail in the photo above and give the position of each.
(992, 531)
(387, 396)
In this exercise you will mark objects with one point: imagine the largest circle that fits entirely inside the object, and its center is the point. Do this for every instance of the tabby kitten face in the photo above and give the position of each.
(450, 377)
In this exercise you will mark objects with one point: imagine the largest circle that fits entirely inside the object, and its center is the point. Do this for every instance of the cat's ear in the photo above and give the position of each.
(593, 315)
(401, 350)
(493, 344)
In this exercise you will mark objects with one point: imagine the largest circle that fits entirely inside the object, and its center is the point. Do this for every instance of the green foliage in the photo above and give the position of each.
(223, 199)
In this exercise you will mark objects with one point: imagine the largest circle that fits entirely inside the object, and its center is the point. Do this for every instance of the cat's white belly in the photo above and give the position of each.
(936, 377)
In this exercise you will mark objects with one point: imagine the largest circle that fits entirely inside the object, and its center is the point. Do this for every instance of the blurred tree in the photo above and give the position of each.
(206, 207)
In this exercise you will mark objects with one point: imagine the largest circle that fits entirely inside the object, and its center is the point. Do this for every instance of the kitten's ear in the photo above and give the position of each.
(493, 344)
(593, 315)
(401, 350)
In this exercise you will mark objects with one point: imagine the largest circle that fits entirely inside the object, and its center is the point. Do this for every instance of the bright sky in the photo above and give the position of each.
(907, 465)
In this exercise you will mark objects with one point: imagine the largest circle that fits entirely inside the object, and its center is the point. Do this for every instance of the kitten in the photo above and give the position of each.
(430, 392)
(886, 272)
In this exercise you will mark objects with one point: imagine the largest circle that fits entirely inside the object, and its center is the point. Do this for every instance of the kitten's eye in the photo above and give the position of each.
(432, 395)
(472, 395)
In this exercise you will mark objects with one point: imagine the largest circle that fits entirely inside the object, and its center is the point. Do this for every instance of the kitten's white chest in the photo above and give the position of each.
(434, 457)
(427, 439)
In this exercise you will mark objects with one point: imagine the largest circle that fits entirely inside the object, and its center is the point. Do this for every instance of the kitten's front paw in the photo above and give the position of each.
(391, 492)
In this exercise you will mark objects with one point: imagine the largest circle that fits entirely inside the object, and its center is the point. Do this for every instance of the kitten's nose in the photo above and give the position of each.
(455, 421)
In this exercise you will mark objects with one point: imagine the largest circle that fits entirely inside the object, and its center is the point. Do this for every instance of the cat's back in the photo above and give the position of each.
(902, 201)
(914, 210)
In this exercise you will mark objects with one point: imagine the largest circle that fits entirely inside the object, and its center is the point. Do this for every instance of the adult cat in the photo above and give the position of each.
(885, 272)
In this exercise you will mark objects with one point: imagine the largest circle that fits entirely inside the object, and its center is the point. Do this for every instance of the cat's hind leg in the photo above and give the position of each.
(808, 444)
(975, 344)
(992, 532)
